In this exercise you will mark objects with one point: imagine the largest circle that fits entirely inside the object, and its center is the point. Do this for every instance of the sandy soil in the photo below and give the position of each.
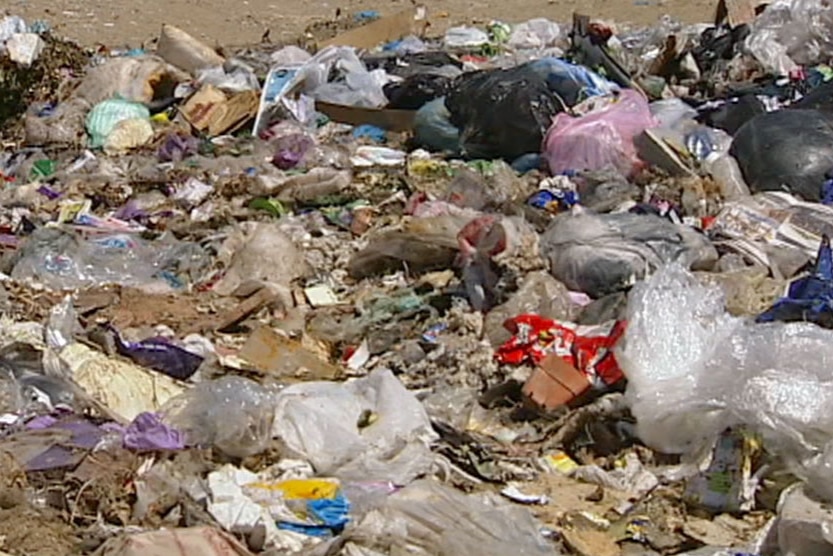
(236, 22)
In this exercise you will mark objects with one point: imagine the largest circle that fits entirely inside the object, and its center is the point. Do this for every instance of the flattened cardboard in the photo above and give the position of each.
(385, 118)
(412, 21)
(210, 110)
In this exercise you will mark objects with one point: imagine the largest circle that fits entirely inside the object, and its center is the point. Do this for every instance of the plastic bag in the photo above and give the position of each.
(433, 128)
(693, 371)
(260, 252)
(355, 86)
(105, 117)
(792, 33)
(571, 82)
(138, 79)
(501, 113)
(232, 413)
(427, 518)
(788, 150)
(601, 254)
(602, 138)
(534, 34)
(368, 429)
(416, 90)
(63, 260)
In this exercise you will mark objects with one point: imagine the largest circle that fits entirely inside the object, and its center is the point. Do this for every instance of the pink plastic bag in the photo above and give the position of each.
(600, 138)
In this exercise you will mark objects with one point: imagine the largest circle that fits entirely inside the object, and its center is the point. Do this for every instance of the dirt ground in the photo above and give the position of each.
(119, 23)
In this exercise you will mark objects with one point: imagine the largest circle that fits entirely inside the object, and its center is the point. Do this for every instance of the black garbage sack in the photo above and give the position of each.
(410, 64)
(788, 150)
(819, 98)
(600, 254)
(730, 115)
(415, 91)
(501, 113)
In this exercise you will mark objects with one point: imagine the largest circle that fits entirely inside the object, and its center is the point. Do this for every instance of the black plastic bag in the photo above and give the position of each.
(788, 150)
(732, 114)
(416, 91)
(501, 113)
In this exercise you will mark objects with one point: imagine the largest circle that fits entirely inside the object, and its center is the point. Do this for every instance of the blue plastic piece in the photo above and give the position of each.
(331, 515)
(369, 131)
(809, 299)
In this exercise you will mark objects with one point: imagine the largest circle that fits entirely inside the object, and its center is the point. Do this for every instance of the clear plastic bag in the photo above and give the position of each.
(427, 518)
(604, 137)
(60, 259)
(792, 33)
(232, 413)
(694, 370)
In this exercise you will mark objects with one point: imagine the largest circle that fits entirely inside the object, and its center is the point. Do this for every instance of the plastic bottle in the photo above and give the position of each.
(726, 172)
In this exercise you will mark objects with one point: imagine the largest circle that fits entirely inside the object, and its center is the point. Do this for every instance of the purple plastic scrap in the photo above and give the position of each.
(160, 355)
(148, 433)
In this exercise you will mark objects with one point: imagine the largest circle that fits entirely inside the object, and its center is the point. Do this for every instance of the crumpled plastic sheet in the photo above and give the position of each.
(792, 33)
(693, 370)
(428, 518)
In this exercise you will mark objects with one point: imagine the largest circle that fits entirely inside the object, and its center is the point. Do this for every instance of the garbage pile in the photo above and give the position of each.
(545, 288)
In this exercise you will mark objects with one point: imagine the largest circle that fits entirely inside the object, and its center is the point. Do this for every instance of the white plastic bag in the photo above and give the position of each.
(368, 429)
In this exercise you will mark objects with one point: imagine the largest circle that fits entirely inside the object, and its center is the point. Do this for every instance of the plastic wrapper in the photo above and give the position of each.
(602, 254)
(465, 37)
(788, 150)
(368, 429)
(604, 137)
(232, 414)
(693, 370)
(148, 433)
(63, 260)
(160, 355)
(427, 518)
(774, 229)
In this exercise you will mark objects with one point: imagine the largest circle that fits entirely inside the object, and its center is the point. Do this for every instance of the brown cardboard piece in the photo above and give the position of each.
(555, 383)
(412, 21)
(211, 111)
(270, 352)
(385, 118)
